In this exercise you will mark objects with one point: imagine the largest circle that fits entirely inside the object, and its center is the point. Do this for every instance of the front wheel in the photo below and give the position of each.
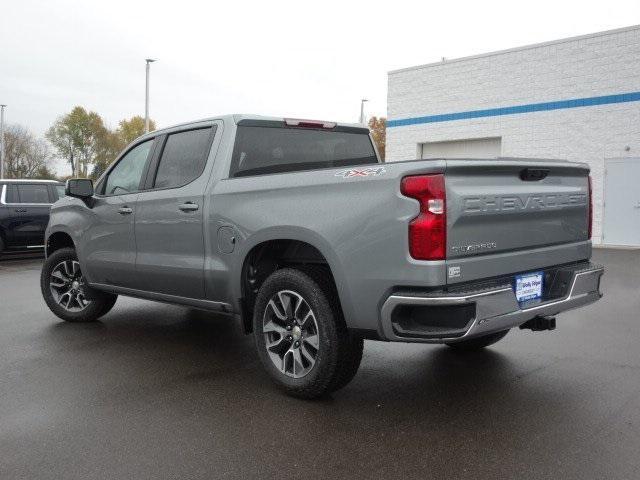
(301, 336)
(64, 290)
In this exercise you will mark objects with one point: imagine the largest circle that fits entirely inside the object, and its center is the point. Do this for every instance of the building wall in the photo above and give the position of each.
(597, 65)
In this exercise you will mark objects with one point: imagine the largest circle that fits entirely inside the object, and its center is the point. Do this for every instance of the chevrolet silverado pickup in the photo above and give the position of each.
(297, 230)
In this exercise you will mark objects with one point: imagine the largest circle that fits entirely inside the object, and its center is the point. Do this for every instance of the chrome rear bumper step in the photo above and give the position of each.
(495, 309)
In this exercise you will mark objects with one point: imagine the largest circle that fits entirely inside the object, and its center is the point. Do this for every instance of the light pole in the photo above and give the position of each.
(146, 97)
(2, 141)
(362, 109)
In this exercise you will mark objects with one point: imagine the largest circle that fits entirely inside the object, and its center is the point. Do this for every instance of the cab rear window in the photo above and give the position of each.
(260, 150)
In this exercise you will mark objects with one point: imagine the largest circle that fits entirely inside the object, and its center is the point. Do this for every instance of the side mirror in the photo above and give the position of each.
(79, 187)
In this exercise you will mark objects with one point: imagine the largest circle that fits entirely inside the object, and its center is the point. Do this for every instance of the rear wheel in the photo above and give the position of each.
(301, 336)
(64, 290)
(478, 342)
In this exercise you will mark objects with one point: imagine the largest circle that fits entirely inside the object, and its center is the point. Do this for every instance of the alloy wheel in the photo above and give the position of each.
(290, 333)
(66, 284)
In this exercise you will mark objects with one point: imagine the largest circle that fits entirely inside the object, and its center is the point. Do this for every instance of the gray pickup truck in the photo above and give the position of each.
(297, 230)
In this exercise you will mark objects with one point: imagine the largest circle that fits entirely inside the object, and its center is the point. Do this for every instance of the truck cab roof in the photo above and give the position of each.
(236, 118)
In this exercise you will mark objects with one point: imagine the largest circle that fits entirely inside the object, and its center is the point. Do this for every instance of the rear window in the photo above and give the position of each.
(183, 158)
(262, 150)
(33, 193)
(12, 194)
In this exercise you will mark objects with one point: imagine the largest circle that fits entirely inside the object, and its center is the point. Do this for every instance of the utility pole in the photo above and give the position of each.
(146, 97)
(2, 141)
(362, 110)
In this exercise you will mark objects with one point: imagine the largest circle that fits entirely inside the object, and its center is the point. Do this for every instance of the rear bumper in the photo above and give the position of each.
(478, 312)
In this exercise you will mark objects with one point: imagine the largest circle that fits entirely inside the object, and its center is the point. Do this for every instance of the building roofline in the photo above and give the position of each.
(518, 49)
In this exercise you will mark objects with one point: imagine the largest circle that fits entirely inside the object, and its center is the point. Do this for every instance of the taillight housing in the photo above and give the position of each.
(428, 231)
(590, 220)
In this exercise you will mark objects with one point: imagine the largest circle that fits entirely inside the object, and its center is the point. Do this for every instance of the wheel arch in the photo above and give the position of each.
(268, 253)
(57, 240)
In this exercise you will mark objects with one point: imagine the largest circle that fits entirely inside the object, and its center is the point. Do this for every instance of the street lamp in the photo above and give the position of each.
(146, 96)
(2, 141)
(362, 109)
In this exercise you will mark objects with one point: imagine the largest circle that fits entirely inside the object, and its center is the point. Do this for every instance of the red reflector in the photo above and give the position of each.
(296, 122)
(428, 231)
(590, 227)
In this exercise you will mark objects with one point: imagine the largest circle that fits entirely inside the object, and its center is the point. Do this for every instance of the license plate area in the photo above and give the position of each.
(528, 286)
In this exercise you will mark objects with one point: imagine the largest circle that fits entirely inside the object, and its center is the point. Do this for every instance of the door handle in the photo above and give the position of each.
(125, 211)
(189, 207)
(20, 210)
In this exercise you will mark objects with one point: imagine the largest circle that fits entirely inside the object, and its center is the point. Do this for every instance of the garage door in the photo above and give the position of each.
(621, 224)
(464, 148)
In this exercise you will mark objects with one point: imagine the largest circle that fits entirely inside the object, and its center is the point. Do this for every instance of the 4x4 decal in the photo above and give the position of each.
(361, 172)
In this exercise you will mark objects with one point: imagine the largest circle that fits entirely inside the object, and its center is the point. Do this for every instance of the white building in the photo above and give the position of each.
(576, 99)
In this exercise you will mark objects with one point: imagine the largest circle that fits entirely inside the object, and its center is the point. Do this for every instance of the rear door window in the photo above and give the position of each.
(12, 194)
(183, 157)
(260, 150)
(33, 193)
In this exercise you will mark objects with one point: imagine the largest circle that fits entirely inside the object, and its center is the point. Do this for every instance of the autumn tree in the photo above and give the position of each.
(82, 138)
(378, 127)
(108, 149)
(115, 141)
(78, 137)
(25, 155)
(129, 130)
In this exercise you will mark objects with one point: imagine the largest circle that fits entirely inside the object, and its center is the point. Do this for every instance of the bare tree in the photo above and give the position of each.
(25, 155)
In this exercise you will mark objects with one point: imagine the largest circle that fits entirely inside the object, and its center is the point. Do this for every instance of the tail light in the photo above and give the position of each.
(428, 231)
(590, 224)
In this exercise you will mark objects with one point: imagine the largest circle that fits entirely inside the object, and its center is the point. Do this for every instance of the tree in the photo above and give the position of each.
(129, 130)
(108, 149)
(78, 136)
(378, 127)
(25, 155)
(43, 173)
(115, 141)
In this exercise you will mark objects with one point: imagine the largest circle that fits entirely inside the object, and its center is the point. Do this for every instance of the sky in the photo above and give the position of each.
(300, 59)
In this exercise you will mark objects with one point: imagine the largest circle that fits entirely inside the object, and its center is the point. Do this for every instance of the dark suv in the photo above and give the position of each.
(24, 212)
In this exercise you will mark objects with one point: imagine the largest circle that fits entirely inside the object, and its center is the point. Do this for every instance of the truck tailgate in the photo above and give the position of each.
(506, 216)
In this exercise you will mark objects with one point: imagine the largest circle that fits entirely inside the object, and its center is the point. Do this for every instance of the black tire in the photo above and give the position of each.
(1, 244)
(479, 342)
(351, 347)
(351, 358)
(99, 304)
(338, 355)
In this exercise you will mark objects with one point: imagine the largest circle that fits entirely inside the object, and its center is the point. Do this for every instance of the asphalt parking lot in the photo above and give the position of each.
(155, 391)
